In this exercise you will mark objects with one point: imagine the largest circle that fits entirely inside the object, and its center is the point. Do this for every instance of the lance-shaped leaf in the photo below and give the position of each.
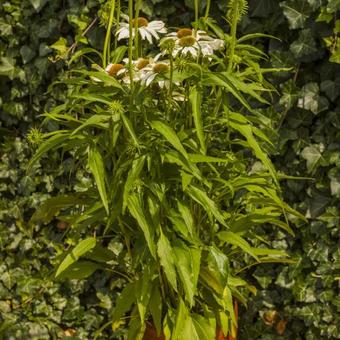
(128, 125)
(236, 240)
(207, 203)
(195, 98)
(96, 120)
(170, 135)
(239, 123)
(133, 175)
(188, 265)
(97, 167)
(53, 142)
(80, 249)
(167, 259)
(136, 210)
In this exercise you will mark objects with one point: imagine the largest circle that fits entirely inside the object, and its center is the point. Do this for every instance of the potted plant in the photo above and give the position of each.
(169, 129)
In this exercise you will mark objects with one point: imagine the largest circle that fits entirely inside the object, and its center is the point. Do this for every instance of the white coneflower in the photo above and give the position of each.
(187, 43)
(115, 70)
(147, 30)
(152, 70)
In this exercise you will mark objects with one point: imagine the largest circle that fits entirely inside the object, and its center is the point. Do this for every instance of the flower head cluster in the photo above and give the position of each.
(185, 43)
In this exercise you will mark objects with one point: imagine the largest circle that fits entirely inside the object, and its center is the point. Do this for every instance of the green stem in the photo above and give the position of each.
(106, 52)
(196, 15)
(131, 43)
(138, 4)
(171, 73)
(117, 20)
(233, 30)
(207, 10)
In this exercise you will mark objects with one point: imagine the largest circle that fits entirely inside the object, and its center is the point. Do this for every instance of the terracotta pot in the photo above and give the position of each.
(151, 333)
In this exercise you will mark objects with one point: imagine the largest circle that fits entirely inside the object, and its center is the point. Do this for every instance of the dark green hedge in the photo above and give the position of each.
(299, 301)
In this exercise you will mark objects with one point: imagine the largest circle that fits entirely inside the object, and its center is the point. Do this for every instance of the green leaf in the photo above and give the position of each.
(129, 128)
(82, 52)
(100, 254)
(101, 76)
(187, 217)
(27, 53)
(143, 292)
(167, 259)
(236, 240)
(51, 207)
(79, 270)
(80, 249)
(170, 135)
(155, 306)
(239, 123)
(53, 142)
(296, 12)
(182, 314)
(219, 80)
(136, 210)
(312, 155)
(197, 158)
(207, 203)
(97, 167)
(95, 120)
(203, 328)
(92, 98)
(7, 67)
(124, 301)
(60, 45)
(305, 45)
(311, 100)
(188, 265)
(195, 98)
(133, 175)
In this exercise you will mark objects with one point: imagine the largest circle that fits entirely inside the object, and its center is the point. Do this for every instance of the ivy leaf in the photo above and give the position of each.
(27, 54)
(305, 45)
(38, 4)
(296, 13)
(7, 67)
(311, 100)
(312, 155)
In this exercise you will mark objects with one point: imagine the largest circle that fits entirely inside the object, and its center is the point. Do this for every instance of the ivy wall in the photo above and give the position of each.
(297, 301)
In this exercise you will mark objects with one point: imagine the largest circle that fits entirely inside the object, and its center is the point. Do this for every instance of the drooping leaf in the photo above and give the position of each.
(167, 259)
(236, 240)
(133, 175)
(124, 301)
(129, 128)
(170, 135)
(187, 264)
(195, 98)
(136, 210)
(53, 142)
(97, 167)
(79, 270)
(80, 249)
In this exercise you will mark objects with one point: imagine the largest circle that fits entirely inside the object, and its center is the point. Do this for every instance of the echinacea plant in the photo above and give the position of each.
(173, 129)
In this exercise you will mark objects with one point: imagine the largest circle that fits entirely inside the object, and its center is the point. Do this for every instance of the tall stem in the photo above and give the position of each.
(207, 10)
(117, 20)
(131, 43)
(106, 52)
(196, 15)
(137, 42)
(233, 30)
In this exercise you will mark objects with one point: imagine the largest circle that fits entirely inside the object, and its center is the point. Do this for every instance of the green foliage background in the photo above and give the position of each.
(307, 112)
